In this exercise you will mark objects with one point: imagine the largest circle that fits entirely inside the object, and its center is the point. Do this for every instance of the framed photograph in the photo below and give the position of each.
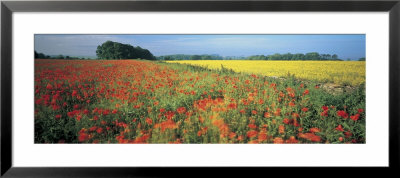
(140, 88)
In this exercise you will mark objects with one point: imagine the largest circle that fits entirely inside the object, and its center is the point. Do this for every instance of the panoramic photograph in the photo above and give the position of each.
(200, 88)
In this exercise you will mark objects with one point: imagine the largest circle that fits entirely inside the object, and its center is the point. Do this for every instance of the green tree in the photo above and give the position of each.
(114, 50)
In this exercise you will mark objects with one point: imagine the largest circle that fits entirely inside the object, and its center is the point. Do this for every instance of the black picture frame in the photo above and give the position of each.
(8, 7)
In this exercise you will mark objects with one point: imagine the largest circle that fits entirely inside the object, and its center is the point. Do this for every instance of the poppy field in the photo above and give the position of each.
(139, 101)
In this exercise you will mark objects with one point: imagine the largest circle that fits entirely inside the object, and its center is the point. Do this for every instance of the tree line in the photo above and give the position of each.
(114, 50)
(190, 57)
(277, 56)
(60, 56)
(313, 56)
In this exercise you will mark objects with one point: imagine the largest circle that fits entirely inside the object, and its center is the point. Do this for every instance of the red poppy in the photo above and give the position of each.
(281, 129)
(232, 106)
(49, 86)
(292, 139)
(339, 128)
(342, 114)
(306, 92)
(355, 117)
(149, 121)
(262, 136)
(99, 130)
(181, 110)
(252, 133)
(286, 121)
(313, 130)
(252, 126)
(278, 140)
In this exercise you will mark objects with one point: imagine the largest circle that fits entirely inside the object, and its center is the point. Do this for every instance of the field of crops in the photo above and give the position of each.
(134, 101)
(339, 72)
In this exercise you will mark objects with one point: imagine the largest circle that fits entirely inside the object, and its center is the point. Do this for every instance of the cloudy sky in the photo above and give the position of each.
(345, 46)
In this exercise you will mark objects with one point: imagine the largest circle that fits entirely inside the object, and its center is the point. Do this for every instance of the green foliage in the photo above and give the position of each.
(314, 56)
(190, 57)
(114, 50)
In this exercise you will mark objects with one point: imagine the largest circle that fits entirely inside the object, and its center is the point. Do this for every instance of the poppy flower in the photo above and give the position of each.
(278, 140)
(339, 128)
(306, 92)
(181, 110)
(252, 133)
(342, 114)
(286, 121)
(149, 121)
(252, 126)
(262, 136)
(313, 130)
(292, 139)
(355, 117)
(281, 129)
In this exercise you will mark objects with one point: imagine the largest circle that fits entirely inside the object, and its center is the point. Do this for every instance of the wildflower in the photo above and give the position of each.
(99, 130)
(339, 128)
(278, 140)
(281, 129)
(341, 139)
(262, 136)
(58, 116)
(252, 133)
(286, 121)
(355, 117)
(49, 86)
(306, 92)
(292, 139)
(252, 126)
(313, 130)
(232, 106)
(342, 114)
(149, 121)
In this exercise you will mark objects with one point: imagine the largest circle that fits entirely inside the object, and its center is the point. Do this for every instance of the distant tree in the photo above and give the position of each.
(195, 57)
(334, 57)
(361, 59)
(313, 56)
(60, 57)
(40, 56)
(115, 50)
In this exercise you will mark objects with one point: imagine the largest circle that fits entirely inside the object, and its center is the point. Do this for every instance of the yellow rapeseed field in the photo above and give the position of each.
(339, 72)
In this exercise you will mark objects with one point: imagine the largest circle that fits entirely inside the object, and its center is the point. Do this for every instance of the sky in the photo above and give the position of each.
(344, 45)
